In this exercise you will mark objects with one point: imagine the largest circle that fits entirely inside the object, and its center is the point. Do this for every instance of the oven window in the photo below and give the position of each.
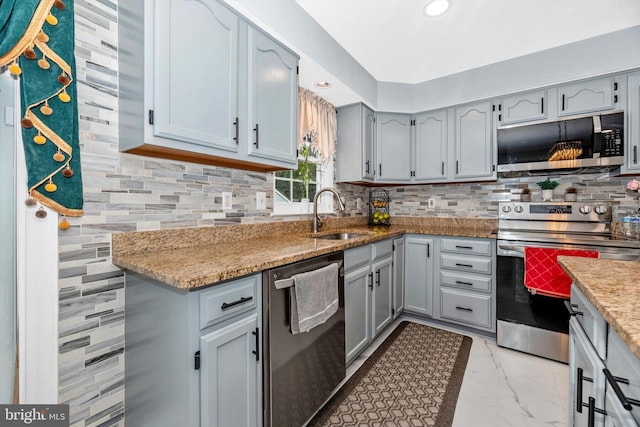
(516, 304)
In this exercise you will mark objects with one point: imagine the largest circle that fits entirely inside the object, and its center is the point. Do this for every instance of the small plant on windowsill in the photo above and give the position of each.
(304, 170)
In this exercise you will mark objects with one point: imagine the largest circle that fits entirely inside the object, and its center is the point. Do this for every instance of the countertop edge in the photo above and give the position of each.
(141, 263)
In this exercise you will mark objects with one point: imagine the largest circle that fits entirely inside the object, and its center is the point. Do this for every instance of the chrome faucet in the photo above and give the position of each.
(317, 222)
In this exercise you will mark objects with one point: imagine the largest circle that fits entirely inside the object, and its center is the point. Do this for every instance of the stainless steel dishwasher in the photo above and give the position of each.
(301, 370)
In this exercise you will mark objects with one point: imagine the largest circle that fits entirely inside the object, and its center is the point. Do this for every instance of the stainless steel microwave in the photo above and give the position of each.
(565, 144)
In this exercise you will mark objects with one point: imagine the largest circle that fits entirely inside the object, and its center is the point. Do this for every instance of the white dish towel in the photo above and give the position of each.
(314, 297)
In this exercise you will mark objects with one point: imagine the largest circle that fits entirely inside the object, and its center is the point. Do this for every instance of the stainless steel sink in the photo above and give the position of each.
(338, 236)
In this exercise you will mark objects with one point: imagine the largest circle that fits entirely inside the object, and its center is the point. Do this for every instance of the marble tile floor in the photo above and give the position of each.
(501, 387)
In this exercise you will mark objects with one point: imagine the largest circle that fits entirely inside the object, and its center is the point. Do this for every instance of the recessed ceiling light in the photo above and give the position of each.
(323, 85)
(435, 8)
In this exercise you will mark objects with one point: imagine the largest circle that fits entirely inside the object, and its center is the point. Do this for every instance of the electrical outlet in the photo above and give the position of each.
(431, 203)
(261, 200)
(227, 200)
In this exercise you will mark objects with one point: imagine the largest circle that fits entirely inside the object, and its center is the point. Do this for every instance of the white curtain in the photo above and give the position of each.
(317, 120)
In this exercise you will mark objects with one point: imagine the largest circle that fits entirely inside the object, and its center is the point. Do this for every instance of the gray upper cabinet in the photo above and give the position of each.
(393, 147)
(474, 142)
(587, 96)
(202, 113)
(523, 107)
(633, 123)
(355, 145)
(430, 146)
(273, 99)
(183, 100)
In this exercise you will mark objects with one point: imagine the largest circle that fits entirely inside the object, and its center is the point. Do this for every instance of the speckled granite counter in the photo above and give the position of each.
(613, 287)
(194, 257)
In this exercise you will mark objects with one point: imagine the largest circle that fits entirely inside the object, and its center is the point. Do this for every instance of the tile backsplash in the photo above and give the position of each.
(130, 193)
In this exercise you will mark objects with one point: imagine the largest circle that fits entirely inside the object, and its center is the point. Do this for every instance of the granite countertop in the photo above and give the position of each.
(613, 287)
(195, 257)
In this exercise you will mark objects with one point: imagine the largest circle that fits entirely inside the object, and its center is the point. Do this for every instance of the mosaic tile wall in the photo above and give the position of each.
(127, 193)
(481, 199)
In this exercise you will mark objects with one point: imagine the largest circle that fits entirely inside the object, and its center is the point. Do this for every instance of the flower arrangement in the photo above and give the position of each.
(547, 184)
(633, 185)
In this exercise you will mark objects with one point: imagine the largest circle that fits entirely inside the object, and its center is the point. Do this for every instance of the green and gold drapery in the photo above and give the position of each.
(37, 45)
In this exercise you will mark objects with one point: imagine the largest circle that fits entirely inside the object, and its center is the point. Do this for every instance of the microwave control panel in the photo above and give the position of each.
(612, 144)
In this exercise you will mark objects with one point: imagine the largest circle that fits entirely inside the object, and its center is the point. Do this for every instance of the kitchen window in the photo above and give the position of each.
(289, 187)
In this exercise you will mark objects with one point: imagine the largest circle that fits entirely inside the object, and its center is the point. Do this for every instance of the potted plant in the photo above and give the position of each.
(525, 195)
(547, 187)
(571, 194)
(304, 172)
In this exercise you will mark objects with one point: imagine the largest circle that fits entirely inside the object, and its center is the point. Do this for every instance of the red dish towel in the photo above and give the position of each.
(543, 275)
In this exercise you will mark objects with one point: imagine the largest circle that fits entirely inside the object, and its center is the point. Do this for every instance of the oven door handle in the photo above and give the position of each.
(510, 250)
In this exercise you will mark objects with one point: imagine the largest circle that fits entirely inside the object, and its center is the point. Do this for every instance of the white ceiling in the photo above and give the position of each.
(395, 42)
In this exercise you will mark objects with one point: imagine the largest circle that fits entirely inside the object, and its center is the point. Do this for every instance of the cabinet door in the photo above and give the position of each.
(418, 275)
(586, 377)
(585, 97)
(196, 88)
(368, 141)
(633, 124)
(398, 276)
(430, 145)
(273, 99)
(393, 143)
(523, 107)
(474, 142)
(357, 302)
(382, 294)
(229, 373)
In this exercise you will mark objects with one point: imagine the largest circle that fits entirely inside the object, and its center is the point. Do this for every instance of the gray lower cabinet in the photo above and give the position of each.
(585, 376)
(193, 358)
(398, 275)
(594, 347)
(418, 274)
(219, 106)
(368, 283)
(465, 284)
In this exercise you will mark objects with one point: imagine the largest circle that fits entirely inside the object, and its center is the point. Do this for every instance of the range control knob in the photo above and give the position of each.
(518, 209)
(601, 209)
(506, 209)
(585, 209)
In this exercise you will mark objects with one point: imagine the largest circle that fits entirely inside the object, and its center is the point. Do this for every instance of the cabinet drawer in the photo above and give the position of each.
(474, 309)
(225, 301)
(466, 246)
(622, 363)
(591, 321)
(465, 263)
(465, 281)
(355, 257)
(382, 248)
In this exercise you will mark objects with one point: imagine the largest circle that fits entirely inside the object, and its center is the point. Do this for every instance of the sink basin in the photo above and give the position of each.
(338, 236)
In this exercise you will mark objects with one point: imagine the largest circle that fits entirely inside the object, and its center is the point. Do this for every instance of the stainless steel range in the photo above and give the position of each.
(531, 316)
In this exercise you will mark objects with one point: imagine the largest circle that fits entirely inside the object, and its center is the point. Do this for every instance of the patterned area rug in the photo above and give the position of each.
(412, 379)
